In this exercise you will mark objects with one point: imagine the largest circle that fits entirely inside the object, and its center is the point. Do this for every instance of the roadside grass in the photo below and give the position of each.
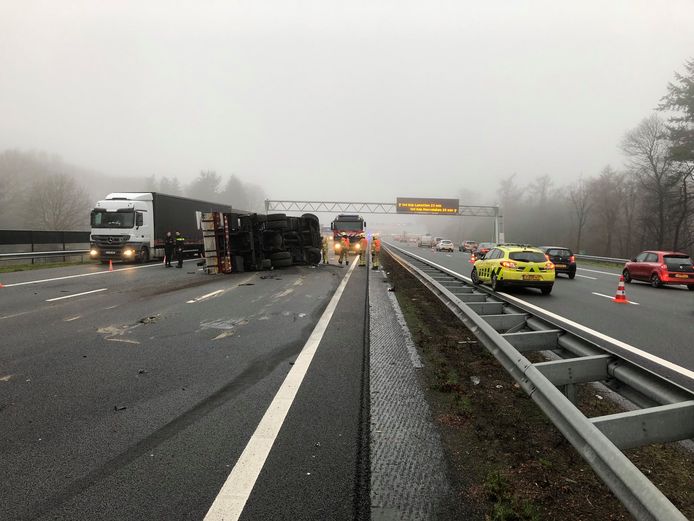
(507, 461)
(11, 268)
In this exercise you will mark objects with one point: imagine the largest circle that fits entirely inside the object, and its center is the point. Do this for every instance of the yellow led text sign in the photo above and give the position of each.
(427, 206)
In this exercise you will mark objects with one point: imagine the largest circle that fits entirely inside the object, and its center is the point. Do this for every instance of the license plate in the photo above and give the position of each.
(532, 277)
(110, 252)
(681, 275)
(560, 265)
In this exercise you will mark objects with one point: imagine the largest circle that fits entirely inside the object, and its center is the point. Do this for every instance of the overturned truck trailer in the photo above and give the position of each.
(237, 242)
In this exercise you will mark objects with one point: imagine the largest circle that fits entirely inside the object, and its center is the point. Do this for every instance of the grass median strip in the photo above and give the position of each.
(510, 462)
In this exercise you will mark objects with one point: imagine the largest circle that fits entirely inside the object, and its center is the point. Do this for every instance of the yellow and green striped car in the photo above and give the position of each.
(514, 265)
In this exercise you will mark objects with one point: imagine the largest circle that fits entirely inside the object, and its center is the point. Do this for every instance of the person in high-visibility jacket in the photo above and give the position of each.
(363, 246)
(180, 242)
(344, 248)
(375, 250)
(324, 249)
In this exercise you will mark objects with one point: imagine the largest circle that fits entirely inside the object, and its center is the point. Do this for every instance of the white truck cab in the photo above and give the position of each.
(122, 227)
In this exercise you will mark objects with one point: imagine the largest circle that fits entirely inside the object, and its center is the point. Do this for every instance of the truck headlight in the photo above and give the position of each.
(128, 253)
(358, 246)
(93, 252)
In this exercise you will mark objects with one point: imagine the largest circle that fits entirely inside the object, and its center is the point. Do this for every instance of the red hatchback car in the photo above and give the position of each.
(660, 268)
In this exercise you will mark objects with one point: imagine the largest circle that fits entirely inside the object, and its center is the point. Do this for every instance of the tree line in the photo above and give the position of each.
(645, 204)
(40, 191)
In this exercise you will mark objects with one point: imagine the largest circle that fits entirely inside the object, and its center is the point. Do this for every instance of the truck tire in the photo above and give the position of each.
(280, 255)
(282, 263)
(313, 255)
(277, 225)
(310, 216)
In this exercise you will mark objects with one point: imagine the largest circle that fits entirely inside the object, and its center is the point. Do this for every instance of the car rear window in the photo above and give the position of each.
(676, 262)
(527, 256)
(559, 252)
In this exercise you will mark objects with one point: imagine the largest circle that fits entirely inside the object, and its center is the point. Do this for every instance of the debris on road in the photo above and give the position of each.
(119, 407)
(149, 320)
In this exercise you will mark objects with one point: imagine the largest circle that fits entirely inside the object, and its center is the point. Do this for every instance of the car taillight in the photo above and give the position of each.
(663, 267)
(549, 266)
(547, 257)
(508, 264)
(572, 259)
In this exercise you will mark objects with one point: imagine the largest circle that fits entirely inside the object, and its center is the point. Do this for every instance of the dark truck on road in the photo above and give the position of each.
(235, 243)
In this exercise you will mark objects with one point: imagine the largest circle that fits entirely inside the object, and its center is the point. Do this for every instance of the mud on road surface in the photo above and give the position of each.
(509, 461)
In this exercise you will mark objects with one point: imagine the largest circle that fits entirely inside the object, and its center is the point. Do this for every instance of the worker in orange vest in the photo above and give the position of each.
(344, 250)
(363, 246)
(375, 250)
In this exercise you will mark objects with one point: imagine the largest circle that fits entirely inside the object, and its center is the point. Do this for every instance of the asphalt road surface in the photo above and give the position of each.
(659, 321)
(132, 394)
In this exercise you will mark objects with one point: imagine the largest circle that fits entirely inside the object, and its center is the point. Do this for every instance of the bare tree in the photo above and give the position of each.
(206, 186)
(57, 202)
(579, 194)
(606, 193)
(647, 150)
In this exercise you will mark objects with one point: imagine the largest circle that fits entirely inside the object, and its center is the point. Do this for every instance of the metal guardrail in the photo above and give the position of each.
(507, 330)
(41, 254)
(601, 259)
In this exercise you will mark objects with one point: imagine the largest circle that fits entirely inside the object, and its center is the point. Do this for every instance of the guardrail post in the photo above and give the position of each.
(569, 390)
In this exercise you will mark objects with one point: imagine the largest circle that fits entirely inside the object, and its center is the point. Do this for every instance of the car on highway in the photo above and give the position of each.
(484, 247)
(468, 246)
(445, 245)
(661, 268)
(514, 265)
(563, 258)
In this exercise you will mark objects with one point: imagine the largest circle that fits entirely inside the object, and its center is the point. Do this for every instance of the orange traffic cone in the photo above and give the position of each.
(473, 258)
(620, 297)
(110, 265)
(1, 286)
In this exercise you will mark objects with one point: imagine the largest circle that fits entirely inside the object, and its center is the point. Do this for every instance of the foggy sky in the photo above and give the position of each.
(340, 100)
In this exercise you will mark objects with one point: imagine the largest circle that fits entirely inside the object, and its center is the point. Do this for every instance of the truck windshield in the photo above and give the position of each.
(119, 219)
(349, 225)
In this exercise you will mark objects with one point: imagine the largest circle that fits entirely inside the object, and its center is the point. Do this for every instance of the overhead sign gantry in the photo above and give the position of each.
(402, 206)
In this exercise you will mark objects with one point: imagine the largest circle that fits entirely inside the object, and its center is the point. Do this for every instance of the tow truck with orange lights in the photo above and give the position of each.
(352, 226)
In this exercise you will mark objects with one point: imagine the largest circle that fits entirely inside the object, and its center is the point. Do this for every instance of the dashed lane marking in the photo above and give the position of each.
(586, 277)
(76, 295)
(607, 296)
(602, 272)
(198, 299)
(235, 492)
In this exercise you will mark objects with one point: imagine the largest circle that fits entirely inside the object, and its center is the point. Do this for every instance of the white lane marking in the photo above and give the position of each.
(603, 272)
(607, 296)
(76, 295)
(15, 315)
(234, 494)
(122, 340)
(103, 272)
(198, 299)
(586, 277)
(72, 318)
(627, 347)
